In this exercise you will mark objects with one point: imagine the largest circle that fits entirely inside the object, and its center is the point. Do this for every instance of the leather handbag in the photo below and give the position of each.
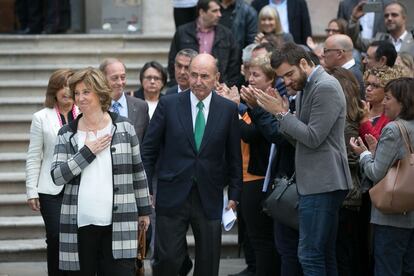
(282, 203)
(394, 194)
(140, 271)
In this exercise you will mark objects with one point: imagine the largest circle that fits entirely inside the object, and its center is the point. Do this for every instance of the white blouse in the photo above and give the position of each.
(96, 188)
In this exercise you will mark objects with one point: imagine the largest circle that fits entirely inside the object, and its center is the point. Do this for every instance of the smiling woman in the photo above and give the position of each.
(97, 159)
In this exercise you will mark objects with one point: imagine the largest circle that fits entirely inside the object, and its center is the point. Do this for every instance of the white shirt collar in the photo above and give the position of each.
(194, 109)
(121, 100)
(123, 109)
(348, 64)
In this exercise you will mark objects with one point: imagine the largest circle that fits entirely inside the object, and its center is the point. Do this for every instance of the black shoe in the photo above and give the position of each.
(244, 272)
(28, 31)
(186, 266)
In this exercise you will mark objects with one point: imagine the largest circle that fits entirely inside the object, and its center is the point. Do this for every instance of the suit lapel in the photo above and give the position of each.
(214, 115)
(185, 117)
(131, 110)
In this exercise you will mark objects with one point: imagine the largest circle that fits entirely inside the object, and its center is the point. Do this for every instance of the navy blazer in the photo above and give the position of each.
(170, 139)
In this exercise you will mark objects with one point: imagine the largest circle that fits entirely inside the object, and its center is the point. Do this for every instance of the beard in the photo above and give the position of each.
(301, 81)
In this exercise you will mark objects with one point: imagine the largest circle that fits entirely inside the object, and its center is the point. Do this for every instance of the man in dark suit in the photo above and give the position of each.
(297, 15)
(134, 109)
(181, 71)
(195, 136)
(338, 52)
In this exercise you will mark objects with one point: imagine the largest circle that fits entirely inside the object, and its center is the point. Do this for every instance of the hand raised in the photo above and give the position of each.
(99, 144)
(247, 94)
(357, 145)
(371, 142)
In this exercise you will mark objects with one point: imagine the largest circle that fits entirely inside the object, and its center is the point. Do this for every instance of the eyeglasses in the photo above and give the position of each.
(150, 78)
(325, 50)
(335, 31)
(372, 85)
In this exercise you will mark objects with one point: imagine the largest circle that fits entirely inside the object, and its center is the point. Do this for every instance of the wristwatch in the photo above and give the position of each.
(279, 116)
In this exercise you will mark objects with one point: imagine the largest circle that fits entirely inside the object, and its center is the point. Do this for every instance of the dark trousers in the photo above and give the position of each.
(393, 250)
(95, 253)
(29, 13)
(259, 229)
(50, 210)
(348, 256)
(318, 228)
(184, 15)
(287, 240)
(170, 239)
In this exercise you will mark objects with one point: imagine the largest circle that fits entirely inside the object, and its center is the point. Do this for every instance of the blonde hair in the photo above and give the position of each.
(384, 74)
(269, 12)
(263, 62)
(94, 80)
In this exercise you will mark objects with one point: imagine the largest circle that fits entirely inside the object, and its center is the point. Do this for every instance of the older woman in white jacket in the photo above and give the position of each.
(42, 194)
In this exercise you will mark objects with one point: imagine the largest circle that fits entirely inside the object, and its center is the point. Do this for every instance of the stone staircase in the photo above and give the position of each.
(26, 63)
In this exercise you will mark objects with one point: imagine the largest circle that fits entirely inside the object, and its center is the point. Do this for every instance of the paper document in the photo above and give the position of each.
(229, 216)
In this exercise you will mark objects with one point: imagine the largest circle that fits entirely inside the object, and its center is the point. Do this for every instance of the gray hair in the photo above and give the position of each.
(247, 52)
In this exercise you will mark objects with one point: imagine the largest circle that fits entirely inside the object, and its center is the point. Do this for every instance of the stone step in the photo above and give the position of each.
(85, 41)
(10, 142)
(20, 105)
(15, 123)
(43, 71)
(12, 183)
(15, 205)
(12, 162)
(37, 88)
(83, 57)
(23, 250)
(25, 227)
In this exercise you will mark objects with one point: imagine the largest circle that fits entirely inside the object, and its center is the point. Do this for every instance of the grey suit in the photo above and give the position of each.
(321, 158)
(389, 149)
(138, 115)
(362, 44)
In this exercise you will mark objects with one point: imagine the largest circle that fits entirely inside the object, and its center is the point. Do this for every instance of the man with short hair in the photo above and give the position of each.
(395, 20)
(195, 137)
(132, 108)
(380, 53)
(322, 173)
(338, 52)
(206, 35)
(181, 70)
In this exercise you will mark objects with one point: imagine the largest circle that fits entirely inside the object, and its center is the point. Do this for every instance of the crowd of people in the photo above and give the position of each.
(248, 98)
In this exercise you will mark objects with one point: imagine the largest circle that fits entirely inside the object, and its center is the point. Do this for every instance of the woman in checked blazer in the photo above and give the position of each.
(97, 158)
(42, 194)
(393, 233)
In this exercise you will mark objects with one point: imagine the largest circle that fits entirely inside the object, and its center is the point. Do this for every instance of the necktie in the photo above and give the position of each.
(269, 167)
(115, 107)
(200, 124)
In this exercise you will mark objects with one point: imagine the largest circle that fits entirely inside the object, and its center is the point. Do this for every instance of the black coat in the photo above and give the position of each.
(225, 50)
(298, 17)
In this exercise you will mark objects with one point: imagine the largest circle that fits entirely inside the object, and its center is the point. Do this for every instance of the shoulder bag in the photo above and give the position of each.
(282, 203)
(395, 192)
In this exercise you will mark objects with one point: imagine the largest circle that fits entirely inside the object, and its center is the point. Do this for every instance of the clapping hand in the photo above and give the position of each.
(99, 144)
(247, 94)
(357, 145)
(372, 143)
(271, 101)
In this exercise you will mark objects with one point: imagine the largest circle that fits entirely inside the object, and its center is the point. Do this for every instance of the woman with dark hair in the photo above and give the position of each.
(375, 80)
(153, 78)
(393, 233)
(347, 250)
(106, 195)
(42, 194)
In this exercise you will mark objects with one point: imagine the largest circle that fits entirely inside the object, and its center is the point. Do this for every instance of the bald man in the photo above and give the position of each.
(338, 52)
(195, 137)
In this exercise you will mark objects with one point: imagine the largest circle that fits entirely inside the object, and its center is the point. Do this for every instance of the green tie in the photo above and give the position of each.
(200, 124)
